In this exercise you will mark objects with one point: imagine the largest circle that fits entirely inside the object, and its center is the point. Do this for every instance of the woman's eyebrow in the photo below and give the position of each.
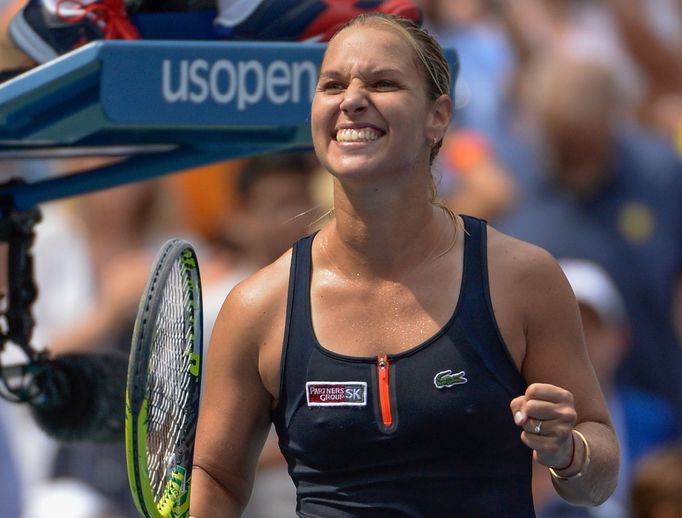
(331, 74)
(335, 74)
(384, 71)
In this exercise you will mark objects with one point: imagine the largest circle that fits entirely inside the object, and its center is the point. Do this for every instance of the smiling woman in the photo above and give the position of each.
(373, 86)
(411, 366)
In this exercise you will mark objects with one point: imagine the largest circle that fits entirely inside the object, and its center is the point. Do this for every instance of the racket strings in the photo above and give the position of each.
(169, 409)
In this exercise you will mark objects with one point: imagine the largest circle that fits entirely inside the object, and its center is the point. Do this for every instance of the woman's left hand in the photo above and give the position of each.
(547, 415)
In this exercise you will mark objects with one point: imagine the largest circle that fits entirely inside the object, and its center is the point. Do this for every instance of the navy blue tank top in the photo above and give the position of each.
(426, 432)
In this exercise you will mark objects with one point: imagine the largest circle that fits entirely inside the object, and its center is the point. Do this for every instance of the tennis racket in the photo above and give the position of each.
(163, 385)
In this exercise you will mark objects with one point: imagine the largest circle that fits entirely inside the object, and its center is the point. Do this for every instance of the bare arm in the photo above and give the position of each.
(122, 283)
(512, 18)
(662, 62)
(234, 415)
(563, 395)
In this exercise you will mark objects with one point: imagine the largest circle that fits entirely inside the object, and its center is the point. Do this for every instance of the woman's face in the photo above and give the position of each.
(370, 113)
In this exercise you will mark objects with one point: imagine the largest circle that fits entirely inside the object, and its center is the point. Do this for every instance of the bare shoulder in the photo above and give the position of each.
(530, 295)
(529, 272)
(260, 295)
(255, 304)
(529, 285)
(249, 332)
(520, 261)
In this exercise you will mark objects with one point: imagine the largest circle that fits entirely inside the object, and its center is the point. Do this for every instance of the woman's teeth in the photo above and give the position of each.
(360, 135)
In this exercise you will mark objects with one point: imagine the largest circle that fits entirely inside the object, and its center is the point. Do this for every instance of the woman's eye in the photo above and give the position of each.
(385, 84)
(331, 87)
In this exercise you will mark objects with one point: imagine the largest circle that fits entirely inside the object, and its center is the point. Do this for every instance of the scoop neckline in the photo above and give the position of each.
(395, 356)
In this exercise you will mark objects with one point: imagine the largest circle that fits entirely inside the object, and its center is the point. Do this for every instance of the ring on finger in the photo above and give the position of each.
(538, 427)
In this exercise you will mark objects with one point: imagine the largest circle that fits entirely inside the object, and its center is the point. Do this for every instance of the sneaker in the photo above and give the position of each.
(305, 20)
(45, 29)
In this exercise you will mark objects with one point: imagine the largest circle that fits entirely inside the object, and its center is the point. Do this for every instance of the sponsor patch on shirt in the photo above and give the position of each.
(336, 393)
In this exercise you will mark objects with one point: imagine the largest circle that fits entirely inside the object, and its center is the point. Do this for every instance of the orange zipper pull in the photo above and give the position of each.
(384, 390)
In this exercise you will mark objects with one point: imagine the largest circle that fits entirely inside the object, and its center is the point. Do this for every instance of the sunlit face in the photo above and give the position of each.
(370, 113)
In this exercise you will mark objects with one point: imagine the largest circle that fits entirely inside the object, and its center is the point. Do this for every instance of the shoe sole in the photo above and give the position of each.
(29, 41)
(321, 32)
(406, 8)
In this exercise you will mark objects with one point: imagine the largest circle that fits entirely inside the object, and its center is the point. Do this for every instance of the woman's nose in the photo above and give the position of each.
(354, 98)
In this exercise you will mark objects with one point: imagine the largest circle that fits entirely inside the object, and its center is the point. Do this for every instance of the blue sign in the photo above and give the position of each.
(233, 84)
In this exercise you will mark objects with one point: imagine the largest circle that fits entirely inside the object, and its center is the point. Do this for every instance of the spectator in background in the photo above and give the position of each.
(581, 29)
(642, 420)
(111, 238)
(274, 201)
(475, 181)
(275, 210)
(657, 485)
(62, 276)
(652, 32)
(124, 228)
(480, 156)
(487, 62)
(638, 42)
(614, 192)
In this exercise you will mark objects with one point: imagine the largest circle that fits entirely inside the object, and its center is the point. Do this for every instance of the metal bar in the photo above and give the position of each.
(135, 169)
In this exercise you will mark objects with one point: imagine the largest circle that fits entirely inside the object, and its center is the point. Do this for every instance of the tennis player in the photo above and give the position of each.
(413, 361)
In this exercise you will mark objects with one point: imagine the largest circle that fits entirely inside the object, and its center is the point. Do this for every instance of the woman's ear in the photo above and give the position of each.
(439, 119)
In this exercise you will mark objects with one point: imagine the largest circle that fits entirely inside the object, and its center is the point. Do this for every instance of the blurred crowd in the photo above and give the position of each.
(567, 133)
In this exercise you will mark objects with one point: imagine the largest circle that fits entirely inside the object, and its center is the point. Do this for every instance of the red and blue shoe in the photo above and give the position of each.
(309, 20)
(45, 29)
